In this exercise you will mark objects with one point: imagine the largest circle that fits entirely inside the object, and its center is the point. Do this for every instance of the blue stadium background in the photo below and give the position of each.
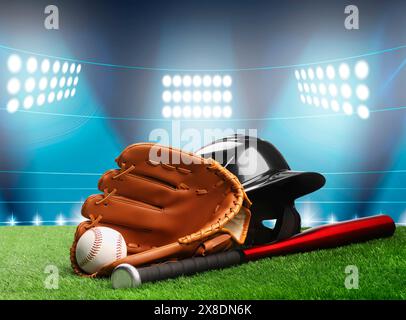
(51, 156)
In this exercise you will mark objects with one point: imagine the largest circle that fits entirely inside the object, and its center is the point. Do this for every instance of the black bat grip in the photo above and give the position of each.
(190, 266)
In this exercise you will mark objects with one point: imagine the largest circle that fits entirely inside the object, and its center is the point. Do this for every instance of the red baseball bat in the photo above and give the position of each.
(327, 236)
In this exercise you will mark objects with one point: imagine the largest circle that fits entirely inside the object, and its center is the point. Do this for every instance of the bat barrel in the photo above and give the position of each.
(328, 236)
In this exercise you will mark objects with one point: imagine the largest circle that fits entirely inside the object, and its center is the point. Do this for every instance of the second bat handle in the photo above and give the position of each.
(189, 266)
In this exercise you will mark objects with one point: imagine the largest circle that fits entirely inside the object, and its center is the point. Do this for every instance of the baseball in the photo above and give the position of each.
(98, 247)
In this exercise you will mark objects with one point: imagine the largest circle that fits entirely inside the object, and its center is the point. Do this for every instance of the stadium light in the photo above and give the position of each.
(330, 72)
(13, 105)
(335, 106)
(227, 81)
(43, 83)
(167, 96)
(66, 94)
(332, 89)
(60, 221)
(313, 88)
(217, 96)
(31, 86)
(310, 73)
(187, 112)
(207, 96)
(62, 82)
(207, 81)
(197, 81)
(320, 73)
(56, 66)
(322, 88)
(12, 221)
(212, 91)
(37, 220)
(45, 66)
(32, 65)
(216, 81)
(362, 92)
(14, 63)
(216, 112)
(363, 112)
(177, 96)
(166, 112)
(13, 86)
(306, 87)
(177, 111)
(197, 111)
(51, 97)
(347, 108)
(177, 81)
(303, 74)
(206, 111)
(227, 112)
(361, 69)
(28, 102)
(324, 103)
(227, 96)
(41, 99)
(187, 81)
(65, 67)
(346, 91)
(297, 75)
(53, 83)
(69, 82)
(336, 88)
(344, 71)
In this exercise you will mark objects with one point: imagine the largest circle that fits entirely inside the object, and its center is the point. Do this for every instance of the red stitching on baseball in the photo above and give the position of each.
(119, 247)
(94, 250)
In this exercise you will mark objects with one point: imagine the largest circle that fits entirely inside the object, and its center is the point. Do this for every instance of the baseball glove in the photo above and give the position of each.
(168, 204)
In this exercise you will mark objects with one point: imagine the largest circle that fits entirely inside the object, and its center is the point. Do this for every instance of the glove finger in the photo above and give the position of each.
(136, 241)
(146, 218)
(170, 166)
(140, 188)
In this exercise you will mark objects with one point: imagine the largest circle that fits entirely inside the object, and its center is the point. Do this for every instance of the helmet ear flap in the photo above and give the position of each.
(287, 225)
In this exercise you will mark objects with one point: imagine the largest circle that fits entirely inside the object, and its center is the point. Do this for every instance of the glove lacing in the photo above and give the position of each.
(106, 195)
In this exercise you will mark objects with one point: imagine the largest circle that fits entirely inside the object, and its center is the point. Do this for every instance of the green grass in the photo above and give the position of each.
(26, 251)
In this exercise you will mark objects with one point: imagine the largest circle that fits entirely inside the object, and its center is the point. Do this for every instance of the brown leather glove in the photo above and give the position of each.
(168, 204)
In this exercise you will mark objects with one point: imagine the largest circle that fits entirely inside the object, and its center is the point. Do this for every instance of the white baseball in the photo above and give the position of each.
(98, 247)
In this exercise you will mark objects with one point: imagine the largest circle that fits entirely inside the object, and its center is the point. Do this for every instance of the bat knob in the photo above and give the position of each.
(125, 276)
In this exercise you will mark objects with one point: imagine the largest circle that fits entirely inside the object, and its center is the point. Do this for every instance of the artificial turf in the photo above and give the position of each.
(26, 251)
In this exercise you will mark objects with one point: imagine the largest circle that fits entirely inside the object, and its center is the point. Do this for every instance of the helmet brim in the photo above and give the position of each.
(289, 184)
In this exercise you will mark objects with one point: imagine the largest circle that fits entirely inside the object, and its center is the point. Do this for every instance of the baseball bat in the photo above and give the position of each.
(327, 236)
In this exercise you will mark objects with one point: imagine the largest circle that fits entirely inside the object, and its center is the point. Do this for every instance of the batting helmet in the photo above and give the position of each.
(268, 181)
